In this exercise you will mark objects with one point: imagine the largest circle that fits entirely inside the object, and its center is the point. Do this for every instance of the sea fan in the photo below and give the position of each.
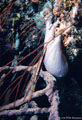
(25, 33)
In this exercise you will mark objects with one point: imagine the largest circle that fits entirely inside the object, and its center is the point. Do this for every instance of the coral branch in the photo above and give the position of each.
(21, 102)
(31, 111)
(9, 110)
(54, 98)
